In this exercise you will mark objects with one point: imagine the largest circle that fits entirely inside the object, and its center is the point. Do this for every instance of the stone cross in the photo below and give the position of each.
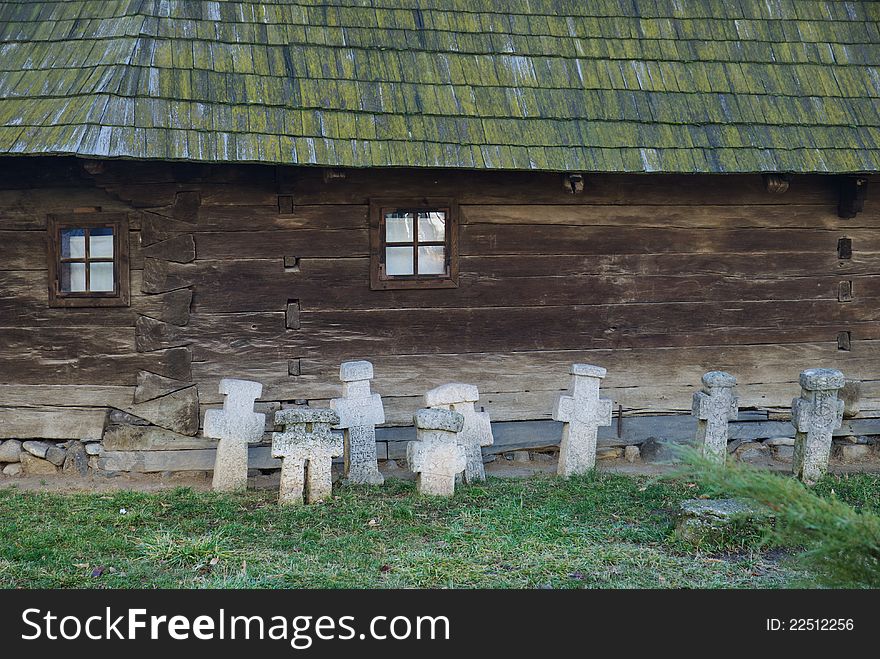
(714, 406)
(582, 413)
(306, 448)
(815, 416)
(235, 426)
(359, 411)
(477, 429)
(436, 457)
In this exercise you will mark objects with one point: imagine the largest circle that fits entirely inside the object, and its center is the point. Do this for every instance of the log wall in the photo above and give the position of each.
(657, 278)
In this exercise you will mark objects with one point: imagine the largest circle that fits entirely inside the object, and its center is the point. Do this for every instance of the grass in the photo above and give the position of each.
(601, 530)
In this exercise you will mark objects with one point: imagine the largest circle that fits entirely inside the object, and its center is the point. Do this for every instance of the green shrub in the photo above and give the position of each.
(841, 546)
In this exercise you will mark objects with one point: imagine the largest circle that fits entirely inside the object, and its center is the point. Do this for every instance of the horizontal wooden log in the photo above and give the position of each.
(149, 438)
(61, 343)
(263, 218)
(301, 243)
(548, 370)
(64, 395)
(95, 369)
(717, 216)
(494, 239)
(52, 423)
(335, 333)
(499, 372)
(259, 457)
(476, 187)
(759, 265)
(536, 435)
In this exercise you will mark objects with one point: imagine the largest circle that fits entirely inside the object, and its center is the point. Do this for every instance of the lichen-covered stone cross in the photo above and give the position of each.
(235, 426)
(815, 416)
(477, 429)
(359, 411)
(714, 407)
(306, 448)
(582, 413)
(436, 456)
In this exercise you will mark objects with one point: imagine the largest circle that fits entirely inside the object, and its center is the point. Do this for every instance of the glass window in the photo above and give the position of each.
(86, 255)
(413, 246)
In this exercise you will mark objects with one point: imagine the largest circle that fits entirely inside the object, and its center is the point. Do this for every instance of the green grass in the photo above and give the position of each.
(605, 531)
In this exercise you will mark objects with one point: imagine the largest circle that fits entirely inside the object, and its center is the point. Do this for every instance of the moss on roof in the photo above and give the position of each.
(604, 85)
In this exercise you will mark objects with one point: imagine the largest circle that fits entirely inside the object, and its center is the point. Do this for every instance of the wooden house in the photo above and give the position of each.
(455, 190)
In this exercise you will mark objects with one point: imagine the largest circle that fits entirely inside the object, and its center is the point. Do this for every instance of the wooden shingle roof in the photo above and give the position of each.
(599, 85)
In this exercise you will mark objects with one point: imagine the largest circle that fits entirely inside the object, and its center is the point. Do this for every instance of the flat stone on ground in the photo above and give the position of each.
(702, 520)
(13, 469)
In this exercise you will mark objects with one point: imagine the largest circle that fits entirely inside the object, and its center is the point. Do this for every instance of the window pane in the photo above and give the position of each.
(101, 243)
(73, 243)
(73, 277)
(398, 227)
(101, 277)
(399, 260)
(432, 260)
(432, 227)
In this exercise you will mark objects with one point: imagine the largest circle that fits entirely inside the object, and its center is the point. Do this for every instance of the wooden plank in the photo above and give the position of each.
(482, 187)
(404, 375)
(263, 218)
(60, 343)
(668, 216)
(495, 239)
(95, 369)
(259, 457)
(52, 422)
(301, 243)
(536, 435)
(760, 264)
(64, 395)
(149, 438)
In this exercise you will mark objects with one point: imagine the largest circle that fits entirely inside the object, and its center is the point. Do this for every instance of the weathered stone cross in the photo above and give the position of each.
(815, 416)
(235, 426)
(582, 413)
(435, 457)
(477, 429)
(306, 448)
(359, 411)
(714, 406)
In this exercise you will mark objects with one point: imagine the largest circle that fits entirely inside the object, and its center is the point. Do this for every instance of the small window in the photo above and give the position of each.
(414, 244)
(88, 260)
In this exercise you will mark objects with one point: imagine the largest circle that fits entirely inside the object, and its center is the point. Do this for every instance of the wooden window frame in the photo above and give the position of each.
(378, 209)
(121, 296)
